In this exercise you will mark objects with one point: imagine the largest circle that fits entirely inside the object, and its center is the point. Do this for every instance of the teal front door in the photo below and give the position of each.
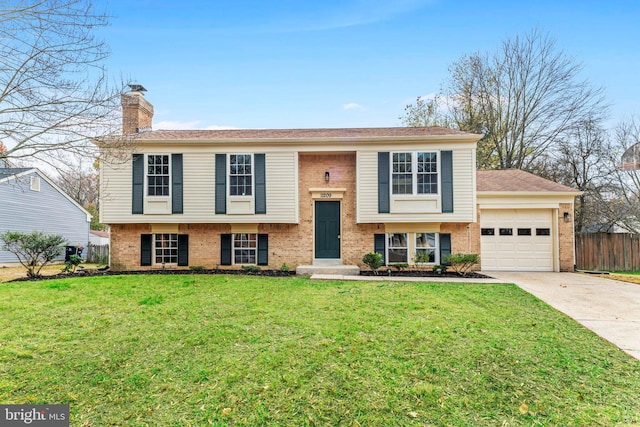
(327, 234)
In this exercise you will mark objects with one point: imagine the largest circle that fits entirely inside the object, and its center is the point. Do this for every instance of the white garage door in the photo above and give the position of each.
(516, 239)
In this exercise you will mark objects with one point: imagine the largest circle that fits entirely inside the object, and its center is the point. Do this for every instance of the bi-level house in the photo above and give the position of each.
(312, 197)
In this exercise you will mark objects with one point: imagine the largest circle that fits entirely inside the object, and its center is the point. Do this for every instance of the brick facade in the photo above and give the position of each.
(290, 244)
(566, 238)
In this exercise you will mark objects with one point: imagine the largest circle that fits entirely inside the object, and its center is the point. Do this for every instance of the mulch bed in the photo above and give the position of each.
(425, 273)
(267, 273)
(94, 272)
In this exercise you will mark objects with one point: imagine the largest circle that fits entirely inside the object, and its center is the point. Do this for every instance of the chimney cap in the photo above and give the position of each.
(137, 88)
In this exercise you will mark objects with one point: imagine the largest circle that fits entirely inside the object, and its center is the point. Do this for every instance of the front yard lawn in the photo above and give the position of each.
(239, 350)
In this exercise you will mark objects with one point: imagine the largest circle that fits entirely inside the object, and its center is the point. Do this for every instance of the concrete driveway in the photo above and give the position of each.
(609, 308)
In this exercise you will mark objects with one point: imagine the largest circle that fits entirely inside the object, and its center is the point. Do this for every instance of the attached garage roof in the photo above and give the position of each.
(517, 181)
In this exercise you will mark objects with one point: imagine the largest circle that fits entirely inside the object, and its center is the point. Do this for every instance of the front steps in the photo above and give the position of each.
(328, 266)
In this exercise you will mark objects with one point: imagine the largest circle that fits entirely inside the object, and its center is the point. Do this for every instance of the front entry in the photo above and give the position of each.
(327, 230)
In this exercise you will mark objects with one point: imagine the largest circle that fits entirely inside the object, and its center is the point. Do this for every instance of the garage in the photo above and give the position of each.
(517, 239)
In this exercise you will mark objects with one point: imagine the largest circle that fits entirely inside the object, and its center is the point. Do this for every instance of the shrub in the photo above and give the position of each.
(251, 268)
(71, 264)
(422, 260)
(439, 268)
(400, 266)
(373, 260)
(461, 263)
(284, 267)
(196, 267)
(33, 250)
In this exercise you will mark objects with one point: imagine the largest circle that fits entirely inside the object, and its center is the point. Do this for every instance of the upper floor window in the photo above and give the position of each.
(158, 180)
(414, 173)
(240, 175)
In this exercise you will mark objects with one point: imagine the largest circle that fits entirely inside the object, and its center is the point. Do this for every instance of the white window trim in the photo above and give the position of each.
(153, 237)
(414, 175)
(388, 247)
(233, 249)
(253, 177)
(436, 247)
(146, 175)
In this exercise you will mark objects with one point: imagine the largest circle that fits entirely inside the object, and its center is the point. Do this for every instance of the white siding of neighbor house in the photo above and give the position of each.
(49, 211)
(425, 208)
(199, 190)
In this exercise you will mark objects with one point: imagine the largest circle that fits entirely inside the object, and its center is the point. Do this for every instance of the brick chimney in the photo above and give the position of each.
(137, 112)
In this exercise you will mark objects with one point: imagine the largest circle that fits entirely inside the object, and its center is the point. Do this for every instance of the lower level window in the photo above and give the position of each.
(398, 249)
(425, 248)
(166, 248)
(245, 246)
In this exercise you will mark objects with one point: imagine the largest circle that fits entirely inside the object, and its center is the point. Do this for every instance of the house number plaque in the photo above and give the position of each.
(327, 193)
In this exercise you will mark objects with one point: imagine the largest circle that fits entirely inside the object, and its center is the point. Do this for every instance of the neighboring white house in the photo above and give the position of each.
(98, 238)
(30, 201)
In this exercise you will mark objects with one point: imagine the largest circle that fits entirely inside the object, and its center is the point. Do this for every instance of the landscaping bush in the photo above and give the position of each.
(461, 263)
(72, 264)
(33, 250)
(373, 260)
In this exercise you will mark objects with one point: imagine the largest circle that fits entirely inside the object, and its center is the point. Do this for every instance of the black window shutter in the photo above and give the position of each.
(261, 188)
(225, 249)
(383, 183)
(145, 249)
(379, 245)
(263, 249)
(176, 183)
(445, 246)
(183, 250)
(446, 177)
(137, 202)
(221, 183)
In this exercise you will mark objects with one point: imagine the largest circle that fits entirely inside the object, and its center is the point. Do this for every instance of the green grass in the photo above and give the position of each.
(234, 350)
(630, 273)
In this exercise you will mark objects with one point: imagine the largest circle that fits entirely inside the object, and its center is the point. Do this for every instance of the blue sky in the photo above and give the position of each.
(351, 63)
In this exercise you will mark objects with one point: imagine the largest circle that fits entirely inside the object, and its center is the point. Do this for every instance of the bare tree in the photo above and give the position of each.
(54, 92)
(525, 97)
(80, 182)
(425, 112)
(527, 94)
(626, 204)
(581, 160)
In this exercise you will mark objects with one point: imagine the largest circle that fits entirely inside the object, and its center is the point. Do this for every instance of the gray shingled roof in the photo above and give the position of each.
(7, 172)
(516, 180)
(284, 134)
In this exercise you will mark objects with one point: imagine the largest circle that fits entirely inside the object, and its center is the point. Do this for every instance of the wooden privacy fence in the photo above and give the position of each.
(608, 251)
(98, 254)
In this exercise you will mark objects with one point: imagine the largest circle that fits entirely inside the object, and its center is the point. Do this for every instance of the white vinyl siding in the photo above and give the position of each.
(423, 207)
(199, 191)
